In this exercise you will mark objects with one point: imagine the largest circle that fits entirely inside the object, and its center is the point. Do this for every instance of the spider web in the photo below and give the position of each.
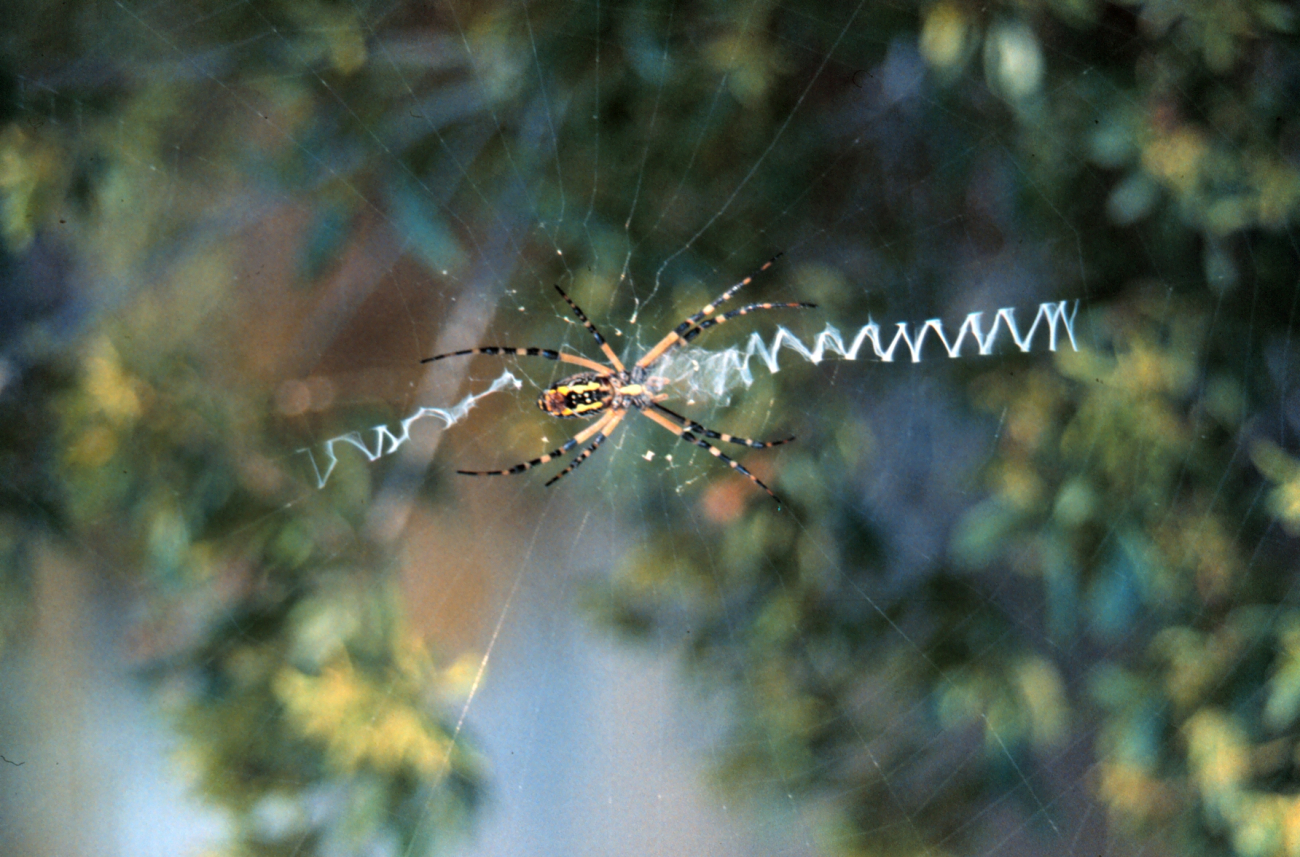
(650, 657)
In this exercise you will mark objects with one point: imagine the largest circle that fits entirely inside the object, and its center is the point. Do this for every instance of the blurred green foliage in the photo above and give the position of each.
(275, 637)
(1124, 586)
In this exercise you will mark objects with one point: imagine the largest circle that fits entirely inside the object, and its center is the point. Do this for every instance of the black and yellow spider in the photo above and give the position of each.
(609, 392)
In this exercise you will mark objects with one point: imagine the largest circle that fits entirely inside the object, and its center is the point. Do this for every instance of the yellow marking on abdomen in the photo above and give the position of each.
(580, 388)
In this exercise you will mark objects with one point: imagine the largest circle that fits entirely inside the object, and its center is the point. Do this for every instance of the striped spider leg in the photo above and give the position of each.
(608, 392)
(686, 433)
(570, 444)
(678, 335)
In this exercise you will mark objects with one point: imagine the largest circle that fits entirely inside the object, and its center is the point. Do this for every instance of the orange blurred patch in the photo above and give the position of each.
(725, 498)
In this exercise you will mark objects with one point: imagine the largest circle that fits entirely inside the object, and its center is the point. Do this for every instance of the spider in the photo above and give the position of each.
(608, 393)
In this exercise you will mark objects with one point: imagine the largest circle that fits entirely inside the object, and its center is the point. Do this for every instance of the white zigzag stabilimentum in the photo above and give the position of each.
(714, 373)
(386, 443)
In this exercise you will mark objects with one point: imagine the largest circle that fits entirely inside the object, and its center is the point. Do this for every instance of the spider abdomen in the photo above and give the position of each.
(583, 396)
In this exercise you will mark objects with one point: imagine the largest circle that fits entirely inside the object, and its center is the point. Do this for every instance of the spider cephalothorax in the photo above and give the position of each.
(609, 392)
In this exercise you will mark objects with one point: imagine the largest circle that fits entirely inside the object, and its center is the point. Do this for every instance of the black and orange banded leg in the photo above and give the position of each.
(580, 437)
(675, 335)
(600, 340)
(506, 351)
(695, 427)
(685, 435)
(607, 426)
(745, 310)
